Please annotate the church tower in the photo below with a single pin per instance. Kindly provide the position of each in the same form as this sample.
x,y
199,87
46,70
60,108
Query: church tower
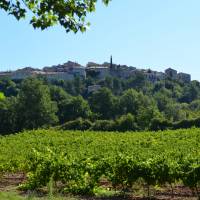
x,y
111,62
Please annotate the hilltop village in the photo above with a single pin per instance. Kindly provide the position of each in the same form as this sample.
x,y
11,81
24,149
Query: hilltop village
x,y
70,70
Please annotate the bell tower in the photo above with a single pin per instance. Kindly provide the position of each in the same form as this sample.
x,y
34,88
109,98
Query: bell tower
x,y
111,62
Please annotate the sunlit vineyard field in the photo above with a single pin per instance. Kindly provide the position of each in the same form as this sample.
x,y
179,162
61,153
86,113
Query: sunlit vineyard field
x,y
78,162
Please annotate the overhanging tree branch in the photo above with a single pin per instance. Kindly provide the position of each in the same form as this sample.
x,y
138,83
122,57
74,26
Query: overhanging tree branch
x,y
70,14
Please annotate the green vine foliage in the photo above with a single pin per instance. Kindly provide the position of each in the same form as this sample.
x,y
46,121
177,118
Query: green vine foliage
x,y
80,160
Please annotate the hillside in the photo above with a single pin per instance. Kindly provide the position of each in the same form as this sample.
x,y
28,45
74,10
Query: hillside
x,y
110,104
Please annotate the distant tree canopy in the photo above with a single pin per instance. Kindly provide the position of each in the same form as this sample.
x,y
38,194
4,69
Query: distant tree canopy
x,y
70,14
117,105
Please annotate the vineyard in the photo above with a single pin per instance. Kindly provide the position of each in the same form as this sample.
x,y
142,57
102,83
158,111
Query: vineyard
x,y
79,162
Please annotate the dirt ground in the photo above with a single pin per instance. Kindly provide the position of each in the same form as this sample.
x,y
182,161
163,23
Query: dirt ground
x,y
9,183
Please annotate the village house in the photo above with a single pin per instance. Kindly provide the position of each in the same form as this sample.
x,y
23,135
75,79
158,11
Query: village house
x,y
77,71
122,71
70,70
171,73
5,75
24,73
154,76
99,72
186,78
57,76
67,71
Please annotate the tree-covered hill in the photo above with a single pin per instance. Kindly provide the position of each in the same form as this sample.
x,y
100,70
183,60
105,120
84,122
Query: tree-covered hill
x,y
117,104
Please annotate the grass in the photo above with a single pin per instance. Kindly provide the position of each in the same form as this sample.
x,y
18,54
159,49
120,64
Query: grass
x,y
9,196
15,196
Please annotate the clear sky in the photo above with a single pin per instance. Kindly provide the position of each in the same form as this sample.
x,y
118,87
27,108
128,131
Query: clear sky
x,y
152,34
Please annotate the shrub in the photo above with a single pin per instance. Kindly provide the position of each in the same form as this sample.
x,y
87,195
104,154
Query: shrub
x,y
126,123
78,124
158,124
104,125
187,123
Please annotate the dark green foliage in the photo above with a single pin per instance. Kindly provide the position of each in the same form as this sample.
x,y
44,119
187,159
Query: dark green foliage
x,y
78,86
104,103
62,99
126,123
8,116
159,124
167,104
34,106
137,82
195,105
8,87
73,109
93,74
130,101
190,92
104,125
58,94
187,124
78,124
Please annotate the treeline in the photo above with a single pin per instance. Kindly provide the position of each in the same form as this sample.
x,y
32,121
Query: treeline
x,y
119,105
127,123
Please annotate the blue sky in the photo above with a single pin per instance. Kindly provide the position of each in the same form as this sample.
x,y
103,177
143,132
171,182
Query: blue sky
x,y
152,34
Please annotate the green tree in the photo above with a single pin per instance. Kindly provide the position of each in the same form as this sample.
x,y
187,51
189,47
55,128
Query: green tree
x,y
129,102
104,103
146,115
195,105
70,14
35,107
108,82
62,98
163,98
137,82
126,123
78,86
73,109
69,87
8,115
58,94
8,87
190,92
117,87
175,112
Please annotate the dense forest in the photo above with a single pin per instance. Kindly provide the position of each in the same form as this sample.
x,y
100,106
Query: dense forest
x,y
119,104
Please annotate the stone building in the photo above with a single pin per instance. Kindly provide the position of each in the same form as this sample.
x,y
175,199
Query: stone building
x,y
67,71
70,70
154,76
5,75
122,71
24,73
57,76
77,71
99,72
171,73
186,78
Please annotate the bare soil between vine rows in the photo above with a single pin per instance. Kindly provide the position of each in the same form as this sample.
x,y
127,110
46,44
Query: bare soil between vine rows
x,y
9,183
